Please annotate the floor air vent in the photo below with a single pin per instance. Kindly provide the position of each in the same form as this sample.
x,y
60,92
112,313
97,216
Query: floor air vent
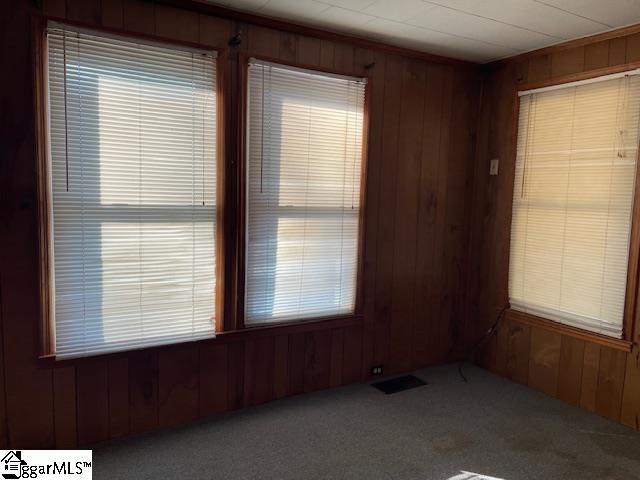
x,y
399,384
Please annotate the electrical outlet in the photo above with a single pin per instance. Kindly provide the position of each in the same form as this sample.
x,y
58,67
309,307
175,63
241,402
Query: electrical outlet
x,y
493,168
377,369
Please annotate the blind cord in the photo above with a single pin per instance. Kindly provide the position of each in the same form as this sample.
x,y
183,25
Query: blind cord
x,y
488,333
204,107
66,122
262,134
193,193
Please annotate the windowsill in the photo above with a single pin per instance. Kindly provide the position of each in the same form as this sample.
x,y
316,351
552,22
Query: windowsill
x,y
248,333
313,323
534,321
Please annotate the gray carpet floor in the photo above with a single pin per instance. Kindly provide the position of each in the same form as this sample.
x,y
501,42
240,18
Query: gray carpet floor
x,y
488,428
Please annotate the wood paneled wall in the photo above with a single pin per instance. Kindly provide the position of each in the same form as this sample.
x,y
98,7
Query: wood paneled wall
x,y
595,377
421,157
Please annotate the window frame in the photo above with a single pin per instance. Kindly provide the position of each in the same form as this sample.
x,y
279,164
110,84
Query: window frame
x,y
46,330
633,266
241,199
231,90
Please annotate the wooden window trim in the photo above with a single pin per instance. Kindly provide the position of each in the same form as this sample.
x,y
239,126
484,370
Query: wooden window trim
x,y
46,332
240,265
229,325
633,266
45,340
579,333
235,336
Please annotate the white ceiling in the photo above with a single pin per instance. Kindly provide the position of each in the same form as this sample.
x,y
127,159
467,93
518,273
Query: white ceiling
x,y
476,30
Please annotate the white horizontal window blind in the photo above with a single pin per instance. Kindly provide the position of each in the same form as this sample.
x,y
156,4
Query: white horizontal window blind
x,y
573,200
133,176
305,134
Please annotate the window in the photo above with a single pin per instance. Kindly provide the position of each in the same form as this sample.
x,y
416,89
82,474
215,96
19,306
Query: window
x,y
305,144
133,187
573,200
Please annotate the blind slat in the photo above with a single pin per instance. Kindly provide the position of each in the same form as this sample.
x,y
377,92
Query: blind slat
x,y
304,140
133,175
573,200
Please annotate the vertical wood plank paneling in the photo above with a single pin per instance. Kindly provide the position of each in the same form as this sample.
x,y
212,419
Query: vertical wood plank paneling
x,y
596,55
485,354
501,349
176,23
521,70
407,193
297,344
518,349
364,64
143,391
476,301
118,397
438,291
213,31
264,41
281,366
343,57
352,355
610,383
501,188
55,8
317,360
633,48
372,205
288,46
258,371
64,407
617,51
85,11
461,142
630,412
327,49
308,51
544,360
386,211
363,61
337,354
590,369
178,381
235,376
422,344
138,16
4,434
570,372
565,62
368,339
213,379
539,68
93,402
112,13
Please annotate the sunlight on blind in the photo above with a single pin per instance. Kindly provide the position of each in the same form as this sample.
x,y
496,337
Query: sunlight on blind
x,y
304,167
133,155
572,203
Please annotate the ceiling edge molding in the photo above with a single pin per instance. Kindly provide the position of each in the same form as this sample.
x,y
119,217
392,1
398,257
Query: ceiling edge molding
x,y
311,31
